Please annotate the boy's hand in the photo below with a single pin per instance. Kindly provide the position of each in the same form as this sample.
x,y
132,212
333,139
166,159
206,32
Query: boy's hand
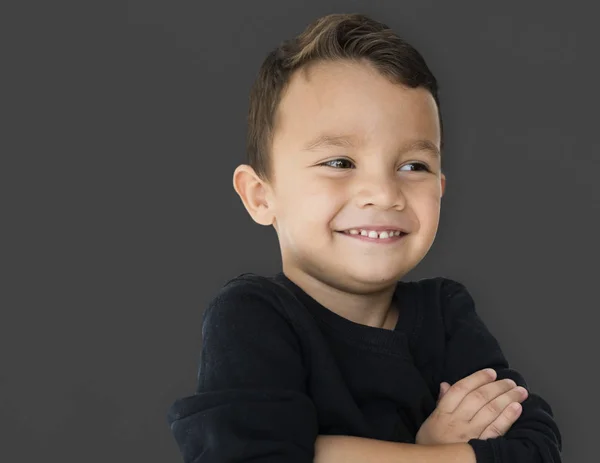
x,y
476,407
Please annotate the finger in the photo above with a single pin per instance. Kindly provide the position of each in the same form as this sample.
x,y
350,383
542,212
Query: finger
x,y
503,423
443,388
493,409
485,398
457,392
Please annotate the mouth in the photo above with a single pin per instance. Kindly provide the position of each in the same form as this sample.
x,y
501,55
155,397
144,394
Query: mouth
x,y
374,235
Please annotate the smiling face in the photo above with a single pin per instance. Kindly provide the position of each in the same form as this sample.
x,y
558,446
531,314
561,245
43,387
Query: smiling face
x,y
354,154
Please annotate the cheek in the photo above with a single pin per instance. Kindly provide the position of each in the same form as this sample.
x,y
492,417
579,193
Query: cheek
x,y
428,209
309,201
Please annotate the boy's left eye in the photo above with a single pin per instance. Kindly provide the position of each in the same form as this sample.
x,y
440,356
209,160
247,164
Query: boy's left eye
x,y
339,164
422,166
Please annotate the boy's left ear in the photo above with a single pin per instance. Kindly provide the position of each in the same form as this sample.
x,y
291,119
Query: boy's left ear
x,y
255,193
443,180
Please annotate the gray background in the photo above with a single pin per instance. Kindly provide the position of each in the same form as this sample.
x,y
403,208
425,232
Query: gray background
x,y
113,251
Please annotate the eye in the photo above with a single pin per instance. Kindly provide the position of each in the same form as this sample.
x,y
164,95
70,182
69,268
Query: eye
x,y
420,164
338,164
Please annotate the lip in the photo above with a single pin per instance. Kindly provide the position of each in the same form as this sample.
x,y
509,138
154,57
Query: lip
x,y
377,228
389,240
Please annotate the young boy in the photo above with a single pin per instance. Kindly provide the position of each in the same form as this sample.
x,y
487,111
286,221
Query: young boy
x,y
335,359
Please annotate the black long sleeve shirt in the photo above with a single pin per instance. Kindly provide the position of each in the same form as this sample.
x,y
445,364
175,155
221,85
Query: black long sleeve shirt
x,y
277,369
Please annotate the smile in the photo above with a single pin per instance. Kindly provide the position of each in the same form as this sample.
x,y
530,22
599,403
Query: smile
x,y
373,235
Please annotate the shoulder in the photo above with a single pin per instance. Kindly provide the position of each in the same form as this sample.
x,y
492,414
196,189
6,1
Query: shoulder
x,y
445,299
247,301
246,287
440,289
247,340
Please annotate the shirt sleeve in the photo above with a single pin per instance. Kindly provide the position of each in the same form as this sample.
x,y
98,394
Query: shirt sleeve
x,y
250,403
534,437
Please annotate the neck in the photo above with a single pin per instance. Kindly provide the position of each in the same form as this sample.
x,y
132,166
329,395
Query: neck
x,y
372,308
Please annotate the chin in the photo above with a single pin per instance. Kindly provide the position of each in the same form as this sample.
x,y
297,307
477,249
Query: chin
x,y
375,279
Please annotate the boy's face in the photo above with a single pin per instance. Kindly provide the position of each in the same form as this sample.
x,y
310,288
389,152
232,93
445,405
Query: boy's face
x,y
371,179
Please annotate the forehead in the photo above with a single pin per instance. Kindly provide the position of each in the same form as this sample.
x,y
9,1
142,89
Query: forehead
x,y
355,100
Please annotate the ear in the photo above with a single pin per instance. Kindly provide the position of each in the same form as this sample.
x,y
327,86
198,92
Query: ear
x,y
255,193
443,179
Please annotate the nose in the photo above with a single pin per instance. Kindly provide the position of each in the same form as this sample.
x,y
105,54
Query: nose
x,y
381,191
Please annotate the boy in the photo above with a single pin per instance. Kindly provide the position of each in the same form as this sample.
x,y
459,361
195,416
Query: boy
x,y
335,359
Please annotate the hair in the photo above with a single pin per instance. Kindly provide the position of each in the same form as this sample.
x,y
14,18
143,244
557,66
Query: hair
x,y
333,37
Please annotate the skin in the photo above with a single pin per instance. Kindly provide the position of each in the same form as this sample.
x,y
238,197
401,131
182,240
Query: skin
x,y
369,179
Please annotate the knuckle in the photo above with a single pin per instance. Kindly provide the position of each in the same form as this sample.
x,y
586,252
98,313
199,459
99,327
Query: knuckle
x,y
450,422
460,387
479,396
492,408
495,430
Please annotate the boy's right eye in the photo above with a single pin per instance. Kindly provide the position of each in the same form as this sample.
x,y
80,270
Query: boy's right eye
x,y
339,164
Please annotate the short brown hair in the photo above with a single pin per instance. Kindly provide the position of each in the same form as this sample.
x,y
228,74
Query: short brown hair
x,y
331,37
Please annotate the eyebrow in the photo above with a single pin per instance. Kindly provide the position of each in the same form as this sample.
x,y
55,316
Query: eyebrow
x,y
346,141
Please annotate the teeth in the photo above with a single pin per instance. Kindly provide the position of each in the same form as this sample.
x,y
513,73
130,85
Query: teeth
x,y
374,234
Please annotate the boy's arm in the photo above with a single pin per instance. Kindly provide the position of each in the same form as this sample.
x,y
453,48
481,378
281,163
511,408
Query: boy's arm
x,y
250,403
350,449
470,347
